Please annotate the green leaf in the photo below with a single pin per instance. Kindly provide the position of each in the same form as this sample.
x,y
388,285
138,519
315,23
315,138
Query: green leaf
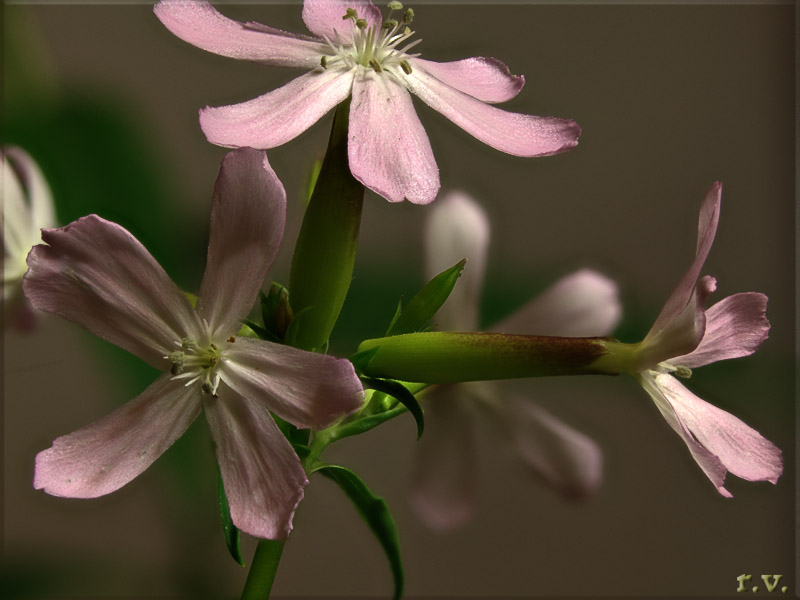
x,y
259,330
427,301
375,512
228,528
398,311
399,391
361,360
311,183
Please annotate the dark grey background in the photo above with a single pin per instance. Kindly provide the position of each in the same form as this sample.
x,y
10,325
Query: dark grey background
x,y
670,98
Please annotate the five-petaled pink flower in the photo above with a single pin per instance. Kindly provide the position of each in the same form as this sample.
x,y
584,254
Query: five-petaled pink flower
x,y
95,273
444,493
686,336
355,53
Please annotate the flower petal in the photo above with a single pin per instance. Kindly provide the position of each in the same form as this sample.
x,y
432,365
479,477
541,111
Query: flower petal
x,y
487,79
102,457
261,473
324,17
513,133
735,326
680,300
443,490
305,388
18,229
457,228
200,24
566,459
96,274
388,148
278,116
583,303
682,334
248,215
40,197
718,441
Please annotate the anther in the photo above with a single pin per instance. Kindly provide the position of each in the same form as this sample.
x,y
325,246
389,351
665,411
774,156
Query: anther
x,y
324,62
408,16
188,344
231,339
390,23
406,67
361,23
176,358
683,372
350,14
395,5
375,65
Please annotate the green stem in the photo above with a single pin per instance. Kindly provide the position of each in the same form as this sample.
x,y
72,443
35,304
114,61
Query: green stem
x,y
322,265
262,572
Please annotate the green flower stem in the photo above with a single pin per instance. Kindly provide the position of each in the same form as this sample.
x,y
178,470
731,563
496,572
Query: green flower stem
x,y
262,572
322,265
448,357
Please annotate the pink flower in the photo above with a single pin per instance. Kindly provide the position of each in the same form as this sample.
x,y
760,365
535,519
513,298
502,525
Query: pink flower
x,y
353,52
582,303
685,336
27,205
95,273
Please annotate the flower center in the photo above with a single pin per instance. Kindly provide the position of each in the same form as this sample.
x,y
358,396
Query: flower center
x,y
198,363
367,47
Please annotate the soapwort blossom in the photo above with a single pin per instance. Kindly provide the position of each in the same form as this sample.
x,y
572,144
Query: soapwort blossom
x,y
95,273
355,53
582,303
27,208
685,336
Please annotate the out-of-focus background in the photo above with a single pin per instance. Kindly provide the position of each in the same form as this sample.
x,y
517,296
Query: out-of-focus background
x,y
670,98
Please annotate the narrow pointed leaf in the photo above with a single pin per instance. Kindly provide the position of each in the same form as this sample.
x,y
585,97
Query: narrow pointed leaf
x,y
399,391
375,512
421,308
398,311
228,528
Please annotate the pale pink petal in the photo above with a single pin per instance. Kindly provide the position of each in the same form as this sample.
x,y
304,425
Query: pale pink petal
x,y
457,228
102,457
305,388
96,274
682,333
735,326
247,219
40,197
324,17
513,133
584,303
443,489
388,149
680,299
278,116
19,233
199,23
563,457
718,441
261,473
486,79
